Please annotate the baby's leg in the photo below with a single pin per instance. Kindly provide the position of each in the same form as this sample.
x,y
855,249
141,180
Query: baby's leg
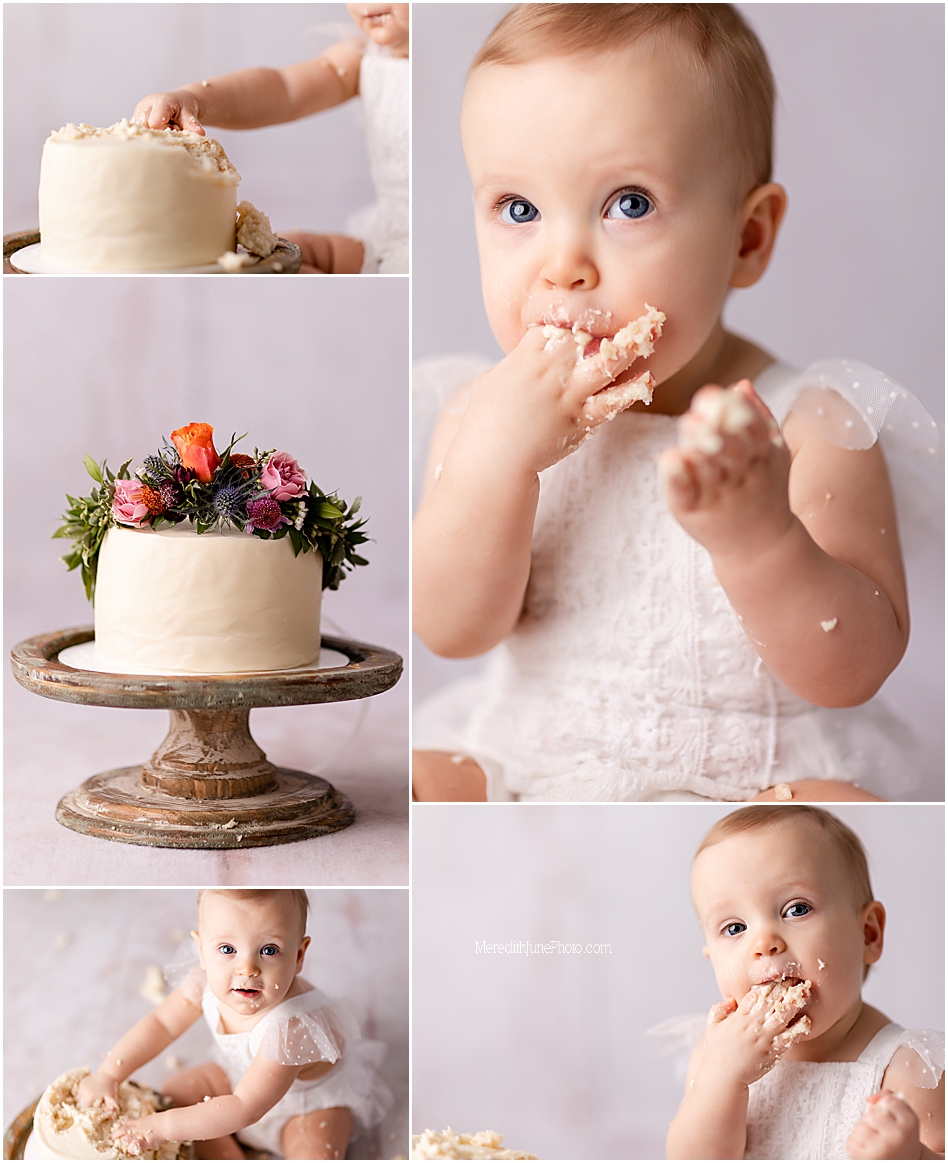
x,y
328,254
820,791
321,1134
439,776
188,1087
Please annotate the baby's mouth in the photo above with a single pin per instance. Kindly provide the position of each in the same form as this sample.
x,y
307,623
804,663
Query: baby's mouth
x,y
249,993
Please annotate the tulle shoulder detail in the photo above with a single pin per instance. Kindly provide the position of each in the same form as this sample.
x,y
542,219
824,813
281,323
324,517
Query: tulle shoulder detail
x,y
675,1035
299,1037
434,387
920,1058
852,405
193,984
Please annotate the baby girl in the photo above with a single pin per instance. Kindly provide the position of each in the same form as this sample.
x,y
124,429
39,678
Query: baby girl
x,y
674,601
292,1076
793,1064
256,97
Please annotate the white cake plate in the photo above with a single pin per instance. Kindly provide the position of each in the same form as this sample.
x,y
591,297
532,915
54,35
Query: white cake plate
x,y
30,261
84,657
23,255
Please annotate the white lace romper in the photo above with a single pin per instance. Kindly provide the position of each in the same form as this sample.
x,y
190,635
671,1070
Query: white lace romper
x,y
308,1028
382,228
628,676
807,1110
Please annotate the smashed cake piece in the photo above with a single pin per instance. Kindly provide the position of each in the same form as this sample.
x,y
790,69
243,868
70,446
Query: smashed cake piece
x,y
450,1144
639,335
778,1001
253,230
713,415
63,1130
783,792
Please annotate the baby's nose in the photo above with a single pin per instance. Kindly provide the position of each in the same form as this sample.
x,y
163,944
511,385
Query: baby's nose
x,y
569,266
769,945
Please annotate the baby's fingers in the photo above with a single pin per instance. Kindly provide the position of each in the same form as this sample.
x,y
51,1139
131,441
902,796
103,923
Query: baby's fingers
x,y
678,479
607,404
720,1011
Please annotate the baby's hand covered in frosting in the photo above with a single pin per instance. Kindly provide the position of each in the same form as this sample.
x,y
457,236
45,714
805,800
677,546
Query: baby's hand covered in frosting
x,y
745,1040
178,110
98,1088
548,396
138,1135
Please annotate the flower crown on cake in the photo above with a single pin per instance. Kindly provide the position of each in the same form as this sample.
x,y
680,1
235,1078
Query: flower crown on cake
x,y
265,495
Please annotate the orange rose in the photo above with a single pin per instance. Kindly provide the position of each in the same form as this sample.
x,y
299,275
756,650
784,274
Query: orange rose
x,y
195,445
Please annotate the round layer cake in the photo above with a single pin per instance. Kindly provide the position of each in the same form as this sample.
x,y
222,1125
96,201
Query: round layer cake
x,y
129,198
61,1130
172,601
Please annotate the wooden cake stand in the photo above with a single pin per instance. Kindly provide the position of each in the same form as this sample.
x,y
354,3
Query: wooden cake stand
x,y
208,785
285,260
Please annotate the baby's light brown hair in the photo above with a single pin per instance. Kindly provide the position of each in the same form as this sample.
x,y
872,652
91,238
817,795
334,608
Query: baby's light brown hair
x,y
298,895
761,817
729,60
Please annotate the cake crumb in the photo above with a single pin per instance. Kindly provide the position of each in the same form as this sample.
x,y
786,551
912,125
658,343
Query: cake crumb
x,y
233,261
205,84
820,963
229,824
439,468
783,792
830,625
173,1062
153,987
253,230
457,758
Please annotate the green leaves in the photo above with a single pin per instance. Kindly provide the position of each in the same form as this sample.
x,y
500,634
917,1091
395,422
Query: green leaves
x,y
317,521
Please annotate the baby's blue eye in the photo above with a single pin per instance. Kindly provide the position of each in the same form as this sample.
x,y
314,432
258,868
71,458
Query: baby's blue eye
x,y
227,949
798,910
519,211
734,928
629,205
269,950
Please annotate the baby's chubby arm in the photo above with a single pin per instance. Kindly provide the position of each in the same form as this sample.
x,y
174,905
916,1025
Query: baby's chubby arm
x,y
902,1121
252,98
742,1042
143,1041
802,537
260,1089
473,532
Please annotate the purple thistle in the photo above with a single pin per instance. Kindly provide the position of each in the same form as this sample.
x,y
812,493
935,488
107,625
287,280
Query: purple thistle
x,y
265,514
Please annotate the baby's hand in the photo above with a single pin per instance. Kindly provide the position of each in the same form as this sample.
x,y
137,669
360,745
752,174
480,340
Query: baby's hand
x,y
178,110
96,1088
727,481
746,1040
545,399
137,1135
888,1130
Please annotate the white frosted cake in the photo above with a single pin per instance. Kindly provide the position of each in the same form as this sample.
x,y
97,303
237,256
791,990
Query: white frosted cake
x,y
170,601
207,562
61,1130
128,198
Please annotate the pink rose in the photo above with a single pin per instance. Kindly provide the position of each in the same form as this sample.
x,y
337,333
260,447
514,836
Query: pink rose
x,y
283,477
128,508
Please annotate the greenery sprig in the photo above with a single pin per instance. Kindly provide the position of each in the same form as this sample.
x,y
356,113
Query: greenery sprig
x,y
189,481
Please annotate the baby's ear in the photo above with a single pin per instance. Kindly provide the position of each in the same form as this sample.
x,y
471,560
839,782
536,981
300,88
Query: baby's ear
x,y
873,931
196,938
301,952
